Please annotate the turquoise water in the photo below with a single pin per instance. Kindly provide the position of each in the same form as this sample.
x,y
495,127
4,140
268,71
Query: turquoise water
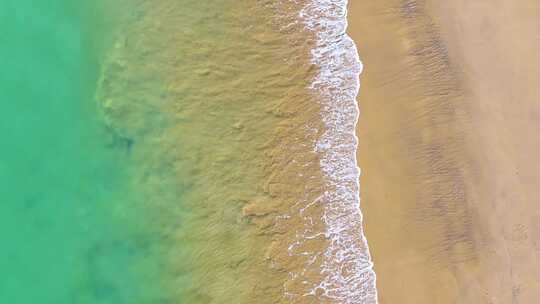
x,y
151,152
69,227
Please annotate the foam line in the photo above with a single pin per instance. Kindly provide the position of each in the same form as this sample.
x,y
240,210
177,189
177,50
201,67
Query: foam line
x,y
347,267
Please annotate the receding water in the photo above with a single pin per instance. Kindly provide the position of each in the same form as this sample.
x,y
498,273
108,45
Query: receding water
x,y
67,220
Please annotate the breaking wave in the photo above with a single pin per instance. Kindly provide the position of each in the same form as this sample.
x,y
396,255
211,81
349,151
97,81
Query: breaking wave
x,y
347,269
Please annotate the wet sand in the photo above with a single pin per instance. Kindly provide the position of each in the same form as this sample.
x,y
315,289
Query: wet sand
x,y
448,147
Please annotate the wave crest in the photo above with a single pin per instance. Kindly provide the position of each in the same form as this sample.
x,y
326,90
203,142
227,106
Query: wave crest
x,y
347,269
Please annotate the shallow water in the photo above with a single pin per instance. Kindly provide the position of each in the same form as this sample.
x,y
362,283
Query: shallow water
x,y
66,220
186,158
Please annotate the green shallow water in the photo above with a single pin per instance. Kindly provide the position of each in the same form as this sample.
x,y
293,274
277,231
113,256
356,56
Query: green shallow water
x,y
70,227
142,155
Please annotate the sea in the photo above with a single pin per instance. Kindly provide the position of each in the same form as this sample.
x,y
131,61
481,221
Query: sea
x,y
180,151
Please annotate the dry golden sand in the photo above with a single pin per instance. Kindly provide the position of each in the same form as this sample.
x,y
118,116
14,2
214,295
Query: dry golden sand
x,y
448,148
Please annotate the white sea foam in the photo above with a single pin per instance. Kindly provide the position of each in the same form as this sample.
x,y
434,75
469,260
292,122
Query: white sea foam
x,y
347,267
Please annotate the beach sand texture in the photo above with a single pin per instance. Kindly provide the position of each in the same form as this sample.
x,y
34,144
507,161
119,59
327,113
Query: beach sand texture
x,y
448,148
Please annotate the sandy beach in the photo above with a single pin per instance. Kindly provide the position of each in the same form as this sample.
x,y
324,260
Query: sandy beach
x,y
448,148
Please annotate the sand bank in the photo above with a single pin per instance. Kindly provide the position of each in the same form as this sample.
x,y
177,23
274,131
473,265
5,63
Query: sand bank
x,y
448,148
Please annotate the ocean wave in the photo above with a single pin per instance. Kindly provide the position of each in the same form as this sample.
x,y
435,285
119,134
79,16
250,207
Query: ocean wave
x,y
347,269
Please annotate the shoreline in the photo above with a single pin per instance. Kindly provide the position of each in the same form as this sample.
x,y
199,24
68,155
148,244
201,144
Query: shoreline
x,y
447,188
347,264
